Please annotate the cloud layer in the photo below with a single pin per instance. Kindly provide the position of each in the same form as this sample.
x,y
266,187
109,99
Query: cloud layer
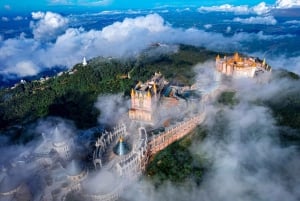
x,y
268,20
259,9
55,44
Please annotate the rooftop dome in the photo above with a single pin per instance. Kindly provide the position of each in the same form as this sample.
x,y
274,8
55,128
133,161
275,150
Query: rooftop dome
x,y
122,148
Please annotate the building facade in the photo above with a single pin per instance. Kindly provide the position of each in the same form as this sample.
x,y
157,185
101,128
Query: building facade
x,y
238,66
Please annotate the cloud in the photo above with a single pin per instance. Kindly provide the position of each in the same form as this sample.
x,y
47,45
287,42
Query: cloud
x,y
207,26
81,2
7,7
261,8
113,108
27,157
290,63
242,145
54,44
293,22
268,20
24,68
18,18
287,3
228,29
243,9
247,160
5,19
48,26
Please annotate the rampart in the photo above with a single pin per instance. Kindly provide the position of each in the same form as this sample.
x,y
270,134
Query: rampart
x,y
173,133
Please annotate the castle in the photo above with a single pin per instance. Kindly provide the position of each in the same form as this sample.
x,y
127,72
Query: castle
x,y
123,152
238,66
144,98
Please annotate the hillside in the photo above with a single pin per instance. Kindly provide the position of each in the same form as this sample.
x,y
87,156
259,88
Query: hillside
x,y
72,94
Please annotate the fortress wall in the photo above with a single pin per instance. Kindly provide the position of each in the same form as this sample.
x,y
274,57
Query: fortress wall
x,y
161,141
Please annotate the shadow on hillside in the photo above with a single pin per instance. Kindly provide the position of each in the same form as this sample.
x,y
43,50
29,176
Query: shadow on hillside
x,y
76,106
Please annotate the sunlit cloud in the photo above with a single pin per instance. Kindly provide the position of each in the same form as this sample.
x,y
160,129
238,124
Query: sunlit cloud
x,y
54,44
287,3
268,20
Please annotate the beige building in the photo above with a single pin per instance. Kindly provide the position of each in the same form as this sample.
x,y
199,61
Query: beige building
x,y
144,99
238,66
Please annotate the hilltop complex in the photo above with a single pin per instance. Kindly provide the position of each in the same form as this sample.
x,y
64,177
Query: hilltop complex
x,y
160,113
122,153
238,66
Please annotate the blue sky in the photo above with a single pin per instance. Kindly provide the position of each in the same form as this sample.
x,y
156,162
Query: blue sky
x,y
30,5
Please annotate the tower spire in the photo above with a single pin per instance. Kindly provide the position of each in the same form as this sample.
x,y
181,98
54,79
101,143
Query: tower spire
x,y
84,63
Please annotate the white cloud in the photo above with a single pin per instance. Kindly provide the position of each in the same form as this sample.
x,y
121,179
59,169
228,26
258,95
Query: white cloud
x,y
207,26
243,9
120,30
261,8
24,68
18,18
48,26
5,19
287,3
293,22
82,2
268,20
126,38
113,108
37,15
290,63
228,29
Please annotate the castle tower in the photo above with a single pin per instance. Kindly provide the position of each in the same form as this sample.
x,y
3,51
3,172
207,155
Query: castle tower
x,y
236,57
84,63
144,99
264,62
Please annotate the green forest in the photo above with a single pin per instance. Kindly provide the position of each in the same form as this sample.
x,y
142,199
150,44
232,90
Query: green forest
x,y
72,94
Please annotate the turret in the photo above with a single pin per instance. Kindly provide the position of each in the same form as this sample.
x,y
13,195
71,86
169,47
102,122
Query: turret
x,y
84,63
236,56
218,57
264,62
155,89
132,93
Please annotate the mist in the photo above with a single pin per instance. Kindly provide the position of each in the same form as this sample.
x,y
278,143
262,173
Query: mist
x,y
243,145
248,160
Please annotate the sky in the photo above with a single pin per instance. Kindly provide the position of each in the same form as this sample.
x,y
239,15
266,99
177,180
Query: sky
x,y
29,5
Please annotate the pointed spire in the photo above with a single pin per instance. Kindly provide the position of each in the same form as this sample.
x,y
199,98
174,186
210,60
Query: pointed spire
x,y
218,58
236,56
148,94
84,63
154,89
132,92
264,62
122,148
